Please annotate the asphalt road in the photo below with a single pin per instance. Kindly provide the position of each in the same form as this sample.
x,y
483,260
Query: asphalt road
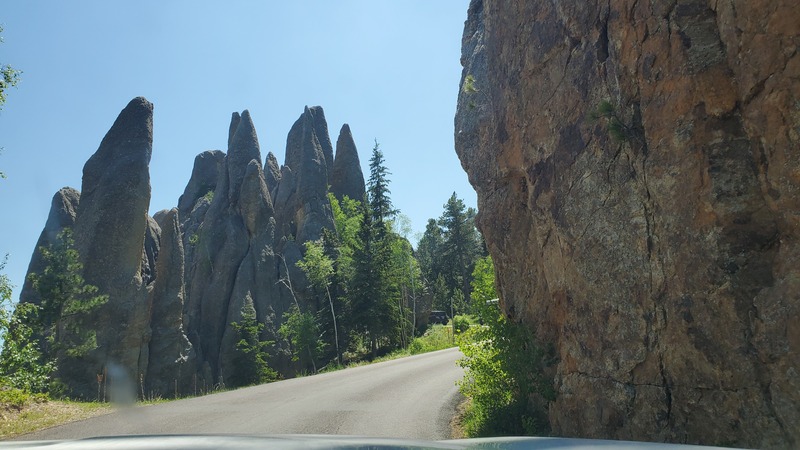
x,y
412,398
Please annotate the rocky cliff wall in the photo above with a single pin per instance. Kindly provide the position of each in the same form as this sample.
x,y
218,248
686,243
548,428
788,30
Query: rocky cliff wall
x,y
637,171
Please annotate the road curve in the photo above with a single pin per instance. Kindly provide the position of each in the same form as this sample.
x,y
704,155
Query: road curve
x,y
411,397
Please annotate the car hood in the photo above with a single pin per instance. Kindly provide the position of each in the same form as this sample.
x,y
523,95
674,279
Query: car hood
x,y
202,442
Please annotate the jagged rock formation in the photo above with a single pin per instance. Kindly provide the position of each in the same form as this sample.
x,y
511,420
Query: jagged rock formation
x,y
234,244
63,209
272,172
655,248
347,178
178,280
205,173
301,196
171,357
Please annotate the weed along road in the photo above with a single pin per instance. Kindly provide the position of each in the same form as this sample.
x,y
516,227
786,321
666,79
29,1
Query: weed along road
x,y
413,397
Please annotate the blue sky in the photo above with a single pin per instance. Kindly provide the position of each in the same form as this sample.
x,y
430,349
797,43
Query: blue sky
x,y
389,69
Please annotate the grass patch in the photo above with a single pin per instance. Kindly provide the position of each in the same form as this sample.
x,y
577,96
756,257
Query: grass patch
x,y
437,337
457,430
41,413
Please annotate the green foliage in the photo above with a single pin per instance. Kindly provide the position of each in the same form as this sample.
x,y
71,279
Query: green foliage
x,y
18,398
209,196
5,284
469,85
300,329
347,217
469,88
373,305
9,77
483,281
461,324
504,375
250,361
447,253
429,251
460,247
194,239
22,365
21,362
437,337
441,295
378,188
67,302
404,283
616,128
318,267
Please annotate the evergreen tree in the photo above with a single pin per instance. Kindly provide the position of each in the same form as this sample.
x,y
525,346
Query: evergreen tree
x,y
67,302
250,360
375,300
459,248
429,252
373,307
300,329
378,191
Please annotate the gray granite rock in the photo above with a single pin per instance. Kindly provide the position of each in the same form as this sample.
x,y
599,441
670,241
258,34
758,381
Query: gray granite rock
x,y
347,178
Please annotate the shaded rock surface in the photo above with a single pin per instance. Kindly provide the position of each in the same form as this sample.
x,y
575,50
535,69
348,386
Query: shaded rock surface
x,y
63,209
205,173
661,262
272,172
323,137
171,357
347,178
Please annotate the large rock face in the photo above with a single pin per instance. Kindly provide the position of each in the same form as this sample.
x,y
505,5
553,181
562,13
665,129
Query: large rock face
x,y
109,231
655,248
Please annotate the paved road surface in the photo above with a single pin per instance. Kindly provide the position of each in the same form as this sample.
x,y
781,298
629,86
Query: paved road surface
x,y
412,397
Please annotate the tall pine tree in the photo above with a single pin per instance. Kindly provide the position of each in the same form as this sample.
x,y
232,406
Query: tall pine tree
x,y
250,360
429,252
460,247
374,298
378,190
67,302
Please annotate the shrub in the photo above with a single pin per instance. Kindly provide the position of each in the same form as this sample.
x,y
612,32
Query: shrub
x,y
504,378
436,338
460,324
